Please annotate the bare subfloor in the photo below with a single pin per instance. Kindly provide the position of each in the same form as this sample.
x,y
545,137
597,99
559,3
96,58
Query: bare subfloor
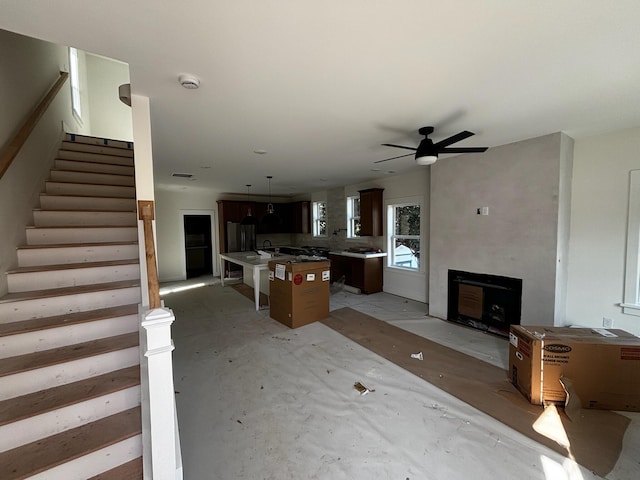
x,y
257,400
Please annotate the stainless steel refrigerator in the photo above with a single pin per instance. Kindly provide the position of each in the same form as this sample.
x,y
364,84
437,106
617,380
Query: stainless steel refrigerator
x,y
240,238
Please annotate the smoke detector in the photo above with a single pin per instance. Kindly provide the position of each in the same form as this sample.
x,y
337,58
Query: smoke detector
x,y
189,82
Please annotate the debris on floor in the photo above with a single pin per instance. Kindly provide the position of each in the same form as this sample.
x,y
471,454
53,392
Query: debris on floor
x,y
417,356
362,389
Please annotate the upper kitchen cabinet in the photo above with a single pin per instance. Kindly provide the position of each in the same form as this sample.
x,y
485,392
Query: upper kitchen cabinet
x,y
371,212
301,217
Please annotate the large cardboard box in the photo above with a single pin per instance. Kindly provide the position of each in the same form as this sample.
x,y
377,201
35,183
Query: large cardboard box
x,y
602,366
298,292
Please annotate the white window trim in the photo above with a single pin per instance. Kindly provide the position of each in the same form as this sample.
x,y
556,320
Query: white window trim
x,y
402,202
350,217
316,219
74,81
631,303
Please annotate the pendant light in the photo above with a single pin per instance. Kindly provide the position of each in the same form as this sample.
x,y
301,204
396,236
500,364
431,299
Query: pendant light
x,y
270,217
249,219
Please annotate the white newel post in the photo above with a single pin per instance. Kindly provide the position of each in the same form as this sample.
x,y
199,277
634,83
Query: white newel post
x,y
156,324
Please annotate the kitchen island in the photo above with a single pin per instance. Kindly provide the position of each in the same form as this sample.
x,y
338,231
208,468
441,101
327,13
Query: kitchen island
x,y
253,262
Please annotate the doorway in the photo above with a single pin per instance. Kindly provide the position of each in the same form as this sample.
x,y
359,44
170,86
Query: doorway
x,y
198,245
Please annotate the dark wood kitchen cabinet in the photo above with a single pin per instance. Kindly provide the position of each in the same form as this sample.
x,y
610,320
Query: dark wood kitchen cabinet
x,y
362,273
301,217
371,212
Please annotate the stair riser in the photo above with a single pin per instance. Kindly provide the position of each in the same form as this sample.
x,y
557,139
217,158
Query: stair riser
x,y
94,463
54,218
91,178
42,280
30,257
61,188
34,428
51,236
61,374
112,148
95,157
40,340
81,302
61,202
94,167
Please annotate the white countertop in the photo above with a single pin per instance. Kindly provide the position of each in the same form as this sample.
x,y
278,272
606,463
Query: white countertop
x,y
252,259
359,255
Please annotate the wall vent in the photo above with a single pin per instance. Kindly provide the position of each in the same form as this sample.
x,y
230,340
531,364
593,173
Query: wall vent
x,y
182,175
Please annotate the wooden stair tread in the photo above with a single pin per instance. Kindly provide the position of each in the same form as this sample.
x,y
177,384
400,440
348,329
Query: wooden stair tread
x,y
68,353
37,403
73,245
92,173
32,325
56,292
74,195
80,226
91,183
113,149
44,454
127,471
72,266
92,212
93,162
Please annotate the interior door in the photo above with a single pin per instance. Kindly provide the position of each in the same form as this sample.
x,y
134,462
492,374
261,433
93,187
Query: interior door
x,y
198,245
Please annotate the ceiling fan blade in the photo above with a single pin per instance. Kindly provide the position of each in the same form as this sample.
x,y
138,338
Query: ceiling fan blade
x,y
398,146
463,149
393,158
453,139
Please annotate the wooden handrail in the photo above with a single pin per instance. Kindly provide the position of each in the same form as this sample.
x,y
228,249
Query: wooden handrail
x,y
14,146
145,213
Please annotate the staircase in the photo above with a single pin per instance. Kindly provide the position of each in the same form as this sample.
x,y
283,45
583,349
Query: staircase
x,y
69,328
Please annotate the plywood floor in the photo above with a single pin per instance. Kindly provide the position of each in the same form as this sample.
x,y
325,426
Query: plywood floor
x,y
257,400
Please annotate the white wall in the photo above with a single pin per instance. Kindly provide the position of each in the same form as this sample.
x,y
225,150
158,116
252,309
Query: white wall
x,y
28,68
520,183
599,210
110,118
170,206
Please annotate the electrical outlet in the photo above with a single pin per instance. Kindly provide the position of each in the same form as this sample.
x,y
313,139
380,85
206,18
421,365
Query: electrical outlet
x,y
607,322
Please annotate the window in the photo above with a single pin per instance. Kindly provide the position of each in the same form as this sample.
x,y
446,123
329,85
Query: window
x,y
404,236
319,219
353,217
631,303
74,75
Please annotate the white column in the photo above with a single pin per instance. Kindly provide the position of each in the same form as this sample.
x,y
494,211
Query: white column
x,y
141,116
162,435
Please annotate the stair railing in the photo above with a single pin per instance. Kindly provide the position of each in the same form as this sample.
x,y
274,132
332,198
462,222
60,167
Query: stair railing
x,y
145,213
161,441
10,151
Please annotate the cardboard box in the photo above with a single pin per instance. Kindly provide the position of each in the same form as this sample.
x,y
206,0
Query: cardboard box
x,y
603,366
298,292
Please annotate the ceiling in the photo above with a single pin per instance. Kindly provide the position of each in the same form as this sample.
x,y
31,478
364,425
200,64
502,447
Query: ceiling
x,y
320,85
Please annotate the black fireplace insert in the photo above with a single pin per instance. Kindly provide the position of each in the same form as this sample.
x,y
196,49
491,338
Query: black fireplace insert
x,y
488,302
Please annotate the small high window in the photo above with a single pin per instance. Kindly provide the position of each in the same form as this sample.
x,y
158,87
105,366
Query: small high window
x,y
74,75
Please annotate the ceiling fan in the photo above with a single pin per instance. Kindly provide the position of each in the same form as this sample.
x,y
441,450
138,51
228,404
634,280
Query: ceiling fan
x,y
427,152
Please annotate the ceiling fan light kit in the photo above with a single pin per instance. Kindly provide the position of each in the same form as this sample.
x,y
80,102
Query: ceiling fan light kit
x,y
427,152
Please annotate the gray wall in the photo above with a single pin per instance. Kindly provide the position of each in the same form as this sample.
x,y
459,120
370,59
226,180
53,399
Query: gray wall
x,y
28,69
520,183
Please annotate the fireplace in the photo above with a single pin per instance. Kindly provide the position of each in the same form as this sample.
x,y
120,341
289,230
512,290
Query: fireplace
x,y
487,302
